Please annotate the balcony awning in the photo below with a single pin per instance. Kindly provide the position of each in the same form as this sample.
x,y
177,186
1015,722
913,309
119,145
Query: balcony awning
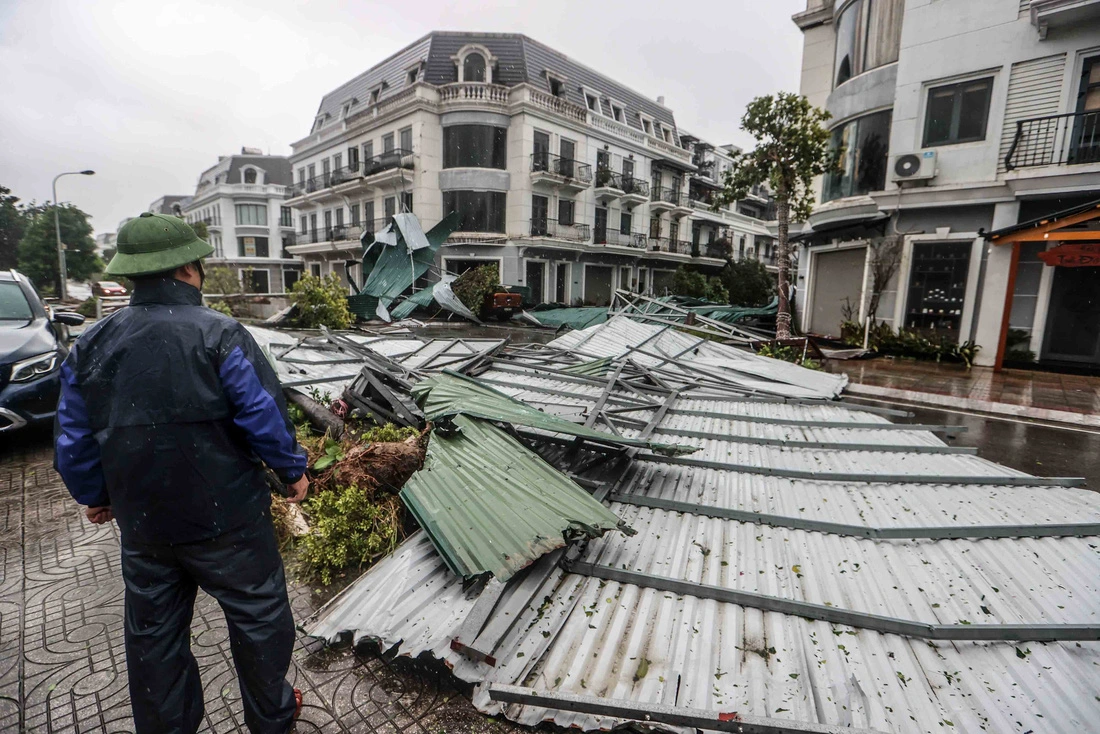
x,y
1078,223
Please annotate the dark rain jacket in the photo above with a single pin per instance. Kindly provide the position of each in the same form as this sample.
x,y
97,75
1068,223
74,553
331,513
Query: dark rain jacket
x,y
167,409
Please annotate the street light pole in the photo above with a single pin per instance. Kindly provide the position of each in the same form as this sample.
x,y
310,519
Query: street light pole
x,y
57,229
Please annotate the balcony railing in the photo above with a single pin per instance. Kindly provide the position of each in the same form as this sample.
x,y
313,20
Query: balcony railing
x,y
606,178
1055,141
388,160
375,164
339,232
564,167
557,230
670,244
672,196
606,236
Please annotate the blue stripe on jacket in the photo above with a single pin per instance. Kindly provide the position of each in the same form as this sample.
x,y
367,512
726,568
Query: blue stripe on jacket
x,y
76,455
258,415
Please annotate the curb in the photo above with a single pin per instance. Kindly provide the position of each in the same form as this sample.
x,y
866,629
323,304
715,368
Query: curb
x,y
982,406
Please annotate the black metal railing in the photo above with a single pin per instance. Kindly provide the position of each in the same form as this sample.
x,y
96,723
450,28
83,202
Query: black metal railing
x,y
606,178
633,185
340,232
1055,140
574,232
671,196
375,164
670,244
564,167
718,248
387,161
608,236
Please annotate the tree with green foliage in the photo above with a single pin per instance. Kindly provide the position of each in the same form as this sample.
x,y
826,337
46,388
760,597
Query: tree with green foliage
x,y
321,302
475,285
690,282
748,282
37,252
13,221
792,148
201,231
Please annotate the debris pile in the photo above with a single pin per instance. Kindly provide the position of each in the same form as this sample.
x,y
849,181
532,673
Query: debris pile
x,y
638,522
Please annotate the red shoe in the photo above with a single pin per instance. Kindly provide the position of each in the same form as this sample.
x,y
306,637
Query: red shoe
x,y
297,703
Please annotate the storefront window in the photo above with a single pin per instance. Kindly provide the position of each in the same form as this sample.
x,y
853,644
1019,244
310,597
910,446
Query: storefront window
x,y
937,286
475,146
868,35
478,211
863,144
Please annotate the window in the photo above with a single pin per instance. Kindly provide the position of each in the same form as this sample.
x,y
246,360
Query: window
x,y
340,217
566,210
666,134
315,270
249,175
868,35
368,215
326,168
937,286
387,143
337,161
252,214
256,281
406,201
412,76
647,125
355,215
375,93
557,88
626,223
290,277
328,225
540,161
617,112
475,146
345,109
312,171
285,217
368,151
301,175
313,224
540,207
353,158
252,247
390,207
305,224
406,139
957,113
593,102
473,68
863,143
479,211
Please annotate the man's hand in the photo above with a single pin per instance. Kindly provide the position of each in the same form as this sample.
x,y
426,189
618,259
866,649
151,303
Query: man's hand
x,y
298,490
99,515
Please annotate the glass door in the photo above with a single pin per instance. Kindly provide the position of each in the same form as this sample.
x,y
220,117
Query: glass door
x,y
1086,128
541,160
561,283
600,226
1073,319
568,152
540,210
535,273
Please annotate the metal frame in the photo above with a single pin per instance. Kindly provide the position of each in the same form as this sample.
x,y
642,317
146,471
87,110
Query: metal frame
x,y
835,615
958,532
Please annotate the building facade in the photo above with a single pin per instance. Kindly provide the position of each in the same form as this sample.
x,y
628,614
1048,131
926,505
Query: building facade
x,y
572,183
953,120
241,200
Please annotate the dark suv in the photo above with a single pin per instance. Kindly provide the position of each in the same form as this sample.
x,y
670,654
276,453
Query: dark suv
x,y
33,343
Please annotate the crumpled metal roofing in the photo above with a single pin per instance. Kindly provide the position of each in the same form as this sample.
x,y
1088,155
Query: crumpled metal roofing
x,y
574,318
492,506
397,268
451,394
559,631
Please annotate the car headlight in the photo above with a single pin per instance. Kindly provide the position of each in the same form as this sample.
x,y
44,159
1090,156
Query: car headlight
x,y
35,367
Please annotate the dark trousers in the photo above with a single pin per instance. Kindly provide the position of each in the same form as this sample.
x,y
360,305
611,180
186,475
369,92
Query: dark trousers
x,y
242,569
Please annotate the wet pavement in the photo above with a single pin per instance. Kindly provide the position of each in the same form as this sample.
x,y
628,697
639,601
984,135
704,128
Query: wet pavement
x,y
62,666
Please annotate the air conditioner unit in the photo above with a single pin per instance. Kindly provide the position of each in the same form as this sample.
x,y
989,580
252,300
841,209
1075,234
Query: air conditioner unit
x,y
913,166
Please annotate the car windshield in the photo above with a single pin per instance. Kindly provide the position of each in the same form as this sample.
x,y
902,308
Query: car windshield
x,y
108,284
13,303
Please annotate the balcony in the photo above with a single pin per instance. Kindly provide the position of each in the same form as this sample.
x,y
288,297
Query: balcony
x,y
1057,140
556,230
374,171
339,232
616,238
635,190
670,245
562,172
670,200
609,185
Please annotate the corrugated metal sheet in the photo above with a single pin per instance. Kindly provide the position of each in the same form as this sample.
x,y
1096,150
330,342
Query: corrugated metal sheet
x,y
450,394
556,631
397,269
574,318
492,506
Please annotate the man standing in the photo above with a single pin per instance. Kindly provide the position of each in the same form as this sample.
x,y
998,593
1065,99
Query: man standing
x,y
167,409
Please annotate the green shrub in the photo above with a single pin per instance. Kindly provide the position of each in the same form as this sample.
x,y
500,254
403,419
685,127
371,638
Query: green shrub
x,y
221,307
321,302
388,433
789,354
909,343
349,529
475,285
87,308
691,283
748,283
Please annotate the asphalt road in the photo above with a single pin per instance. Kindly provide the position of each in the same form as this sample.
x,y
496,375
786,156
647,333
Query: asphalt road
x,y
1041,449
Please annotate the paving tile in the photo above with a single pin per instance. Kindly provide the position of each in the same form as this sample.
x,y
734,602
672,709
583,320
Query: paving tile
x,y
62,663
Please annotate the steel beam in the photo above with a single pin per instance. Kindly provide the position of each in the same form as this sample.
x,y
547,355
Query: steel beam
x,y
835,615
820,424
958,532
658,713
830,445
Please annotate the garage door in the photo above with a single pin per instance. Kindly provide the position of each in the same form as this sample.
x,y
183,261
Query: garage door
x,y
838,280
597,285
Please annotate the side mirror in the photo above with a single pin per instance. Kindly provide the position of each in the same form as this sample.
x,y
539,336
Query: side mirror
x,y
69,318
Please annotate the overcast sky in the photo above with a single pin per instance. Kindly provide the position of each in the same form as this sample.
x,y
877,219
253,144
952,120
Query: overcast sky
x,y
149,92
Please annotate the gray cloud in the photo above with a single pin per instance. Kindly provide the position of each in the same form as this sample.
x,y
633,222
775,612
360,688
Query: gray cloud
x,y
150,93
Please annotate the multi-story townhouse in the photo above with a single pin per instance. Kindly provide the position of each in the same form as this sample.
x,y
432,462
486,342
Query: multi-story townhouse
x,y
574,184
955,119
241,199
173,204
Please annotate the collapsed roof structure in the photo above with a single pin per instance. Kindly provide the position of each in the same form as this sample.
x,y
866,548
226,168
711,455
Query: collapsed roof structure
x,y
810,566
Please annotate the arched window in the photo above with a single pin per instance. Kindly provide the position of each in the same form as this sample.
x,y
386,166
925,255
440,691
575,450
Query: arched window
x,y
473,68
250,175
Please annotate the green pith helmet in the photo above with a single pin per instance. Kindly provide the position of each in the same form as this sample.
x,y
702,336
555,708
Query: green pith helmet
x,y
155,243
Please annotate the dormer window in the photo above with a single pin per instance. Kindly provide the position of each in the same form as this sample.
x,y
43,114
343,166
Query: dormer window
x,y
376,94
345,109
556,87
250,175
318,123
412,76
647,124
474,64
592,101
617,112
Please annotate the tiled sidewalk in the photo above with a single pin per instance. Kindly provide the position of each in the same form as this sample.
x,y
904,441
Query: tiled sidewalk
x,y
1023,393
62,667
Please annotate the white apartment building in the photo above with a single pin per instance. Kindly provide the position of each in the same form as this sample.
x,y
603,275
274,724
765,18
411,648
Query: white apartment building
x,y
956,119
241,201
572,183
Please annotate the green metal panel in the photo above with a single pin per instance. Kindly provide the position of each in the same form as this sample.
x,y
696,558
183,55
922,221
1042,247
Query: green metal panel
x,y
492,506
596,368
574,318
450,394
421,299
395,270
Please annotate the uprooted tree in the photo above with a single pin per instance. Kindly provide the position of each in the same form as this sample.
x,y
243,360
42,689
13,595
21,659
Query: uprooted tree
x,y
792,148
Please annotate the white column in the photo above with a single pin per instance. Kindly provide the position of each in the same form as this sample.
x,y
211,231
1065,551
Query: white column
x,y
995,287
